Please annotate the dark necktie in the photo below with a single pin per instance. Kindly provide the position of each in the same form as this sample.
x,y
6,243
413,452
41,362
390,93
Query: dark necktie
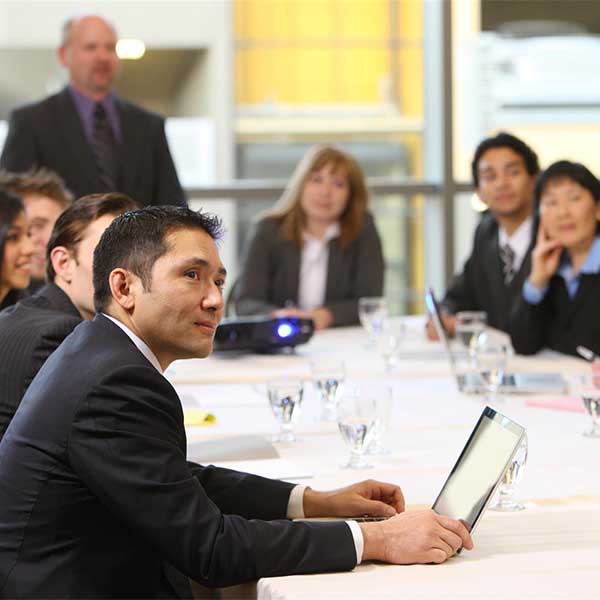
x,y
105,150
507,256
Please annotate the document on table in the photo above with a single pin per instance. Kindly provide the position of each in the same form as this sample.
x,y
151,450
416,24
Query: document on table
x,y
232,448
273,468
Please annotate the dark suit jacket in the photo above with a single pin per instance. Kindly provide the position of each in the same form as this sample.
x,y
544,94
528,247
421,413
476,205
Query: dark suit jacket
x,y
29,332
97,499
50,134
481,285
271,273
559,322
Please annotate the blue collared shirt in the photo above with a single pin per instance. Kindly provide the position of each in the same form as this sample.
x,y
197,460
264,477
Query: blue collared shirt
x,y
534,295
85,108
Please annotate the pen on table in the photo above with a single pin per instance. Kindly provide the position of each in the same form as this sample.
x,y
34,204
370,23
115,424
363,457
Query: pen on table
x,y
586,353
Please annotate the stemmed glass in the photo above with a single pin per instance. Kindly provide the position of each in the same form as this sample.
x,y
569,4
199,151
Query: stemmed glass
x,y
588,386
356,421
491,356
328,377
391,336
372,312
285,398
383,400
512,476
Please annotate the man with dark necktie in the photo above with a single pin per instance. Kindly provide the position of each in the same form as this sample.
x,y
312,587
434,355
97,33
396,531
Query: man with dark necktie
x,y
504,172
96,141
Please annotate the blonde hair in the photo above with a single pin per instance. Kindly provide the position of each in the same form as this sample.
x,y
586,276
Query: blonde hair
x,y
288,210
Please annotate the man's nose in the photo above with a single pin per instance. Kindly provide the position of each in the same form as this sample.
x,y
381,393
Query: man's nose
x,y
213,299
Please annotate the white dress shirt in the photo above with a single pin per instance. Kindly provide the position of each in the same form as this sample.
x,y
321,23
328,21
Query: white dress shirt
x,y
314,259
295,509
519,241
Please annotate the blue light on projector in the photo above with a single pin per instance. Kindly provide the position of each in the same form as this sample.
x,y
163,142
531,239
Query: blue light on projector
x,y
285,330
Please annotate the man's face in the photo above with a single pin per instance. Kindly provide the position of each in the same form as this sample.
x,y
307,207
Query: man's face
x,y
42,213
504,183
90,56
177,317
81,288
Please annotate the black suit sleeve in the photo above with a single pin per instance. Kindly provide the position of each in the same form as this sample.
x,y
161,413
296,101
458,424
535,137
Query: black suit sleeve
x,y
167,187
126,445
19,152
527,327
252,296
367,275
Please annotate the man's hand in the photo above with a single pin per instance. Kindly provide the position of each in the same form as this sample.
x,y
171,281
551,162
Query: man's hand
x,y
371,498
414,537
449,323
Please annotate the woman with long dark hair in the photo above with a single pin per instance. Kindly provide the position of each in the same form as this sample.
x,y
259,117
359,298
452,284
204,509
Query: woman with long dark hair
x,y
16,249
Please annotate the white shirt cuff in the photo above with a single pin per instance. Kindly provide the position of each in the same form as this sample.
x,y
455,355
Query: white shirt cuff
x,y
359,542
295,507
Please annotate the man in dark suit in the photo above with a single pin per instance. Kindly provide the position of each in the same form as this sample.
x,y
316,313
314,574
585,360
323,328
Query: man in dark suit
x,y
33,328
504,170
96,496
94,140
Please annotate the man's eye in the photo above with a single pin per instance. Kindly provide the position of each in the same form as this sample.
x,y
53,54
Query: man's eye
x,y
220,283
192,274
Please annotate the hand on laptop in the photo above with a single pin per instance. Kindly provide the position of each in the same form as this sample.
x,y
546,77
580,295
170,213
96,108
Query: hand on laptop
x,y
414,537
449,322
369,497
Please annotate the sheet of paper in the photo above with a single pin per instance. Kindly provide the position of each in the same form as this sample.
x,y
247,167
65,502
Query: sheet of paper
x,y
274,468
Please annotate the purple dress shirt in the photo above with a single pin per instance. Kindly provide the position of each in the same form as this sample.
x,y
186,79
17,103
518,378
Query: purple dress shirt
x,y
85,108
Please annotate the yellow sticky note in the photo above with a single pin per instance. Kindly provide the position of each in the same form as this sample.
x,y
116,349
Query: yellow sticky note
x,y
195,416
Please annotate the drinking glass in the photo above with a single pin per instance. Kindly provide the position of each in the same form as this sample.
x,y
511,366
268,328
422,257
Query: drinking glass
x,y
356,421
372,312
491,356
328,377
285,398
588,386
389,341
469,325
383,399
512,476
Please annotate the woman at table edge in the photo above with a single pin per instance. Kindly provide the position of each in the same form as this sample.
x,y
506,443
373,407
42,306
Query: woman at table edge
x,y
558,308
318,251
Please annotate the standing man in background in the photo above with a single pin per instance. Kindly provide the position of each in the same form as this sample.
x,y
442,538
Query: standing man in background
x,y
504,172
94,140
45,197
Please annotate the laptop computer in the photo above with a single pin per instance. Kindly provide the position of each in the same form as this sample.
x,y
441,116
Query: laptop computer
x,y
469,381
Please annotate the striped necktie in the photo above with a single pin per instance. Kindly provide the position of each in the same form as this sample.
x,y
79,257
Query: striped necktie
x,y
105,150
507,257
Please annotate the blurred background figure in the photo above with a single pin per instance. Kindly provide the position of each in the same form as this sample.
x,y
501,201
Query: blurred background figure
x,y
94,140
16,249
45,197
558,308
317,252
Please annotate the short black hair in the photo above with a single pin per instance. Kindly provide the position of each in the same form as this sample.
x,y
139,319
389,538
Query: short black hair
x,y
72,223
570,170
137,239
505,140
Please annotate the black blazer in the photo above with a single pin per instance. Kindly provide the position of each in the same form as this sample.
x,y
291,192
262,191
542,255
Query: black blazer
x,y
271,273
559,322
481,285
29,332
97,499
50,134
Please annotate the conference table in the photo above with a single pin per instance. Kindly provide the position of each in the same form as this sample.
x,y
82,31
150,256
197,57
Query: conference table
x,y
549,550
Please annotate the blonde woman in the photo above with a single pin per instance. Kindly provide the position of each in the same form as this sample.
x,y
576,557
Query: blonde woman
x,y
317,251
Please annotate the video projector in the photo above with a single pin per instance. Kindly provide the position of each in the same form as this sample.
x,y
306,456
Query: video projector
x,y
262,334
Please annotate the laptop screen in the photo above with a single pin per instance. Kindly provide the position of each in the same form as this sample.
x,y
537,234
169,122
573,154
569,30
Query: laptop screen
x,y
479,467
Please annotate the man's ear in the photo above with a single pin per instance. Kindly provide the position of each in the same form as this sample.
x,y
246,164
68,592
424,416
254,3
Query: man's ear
x,y
122,287
62,56
62,263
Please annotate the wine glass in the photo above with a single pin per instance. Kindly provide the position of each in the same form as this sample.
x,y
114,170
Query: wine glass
x,y
491,356
328,377
372,312
390,338
469,325
285,398
512,476
588,385
383,399
356,422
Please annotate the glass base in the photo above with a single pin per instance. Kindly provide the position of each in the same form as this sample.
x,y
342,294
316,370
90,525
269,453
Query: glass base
x,y
508,506
284,438
378,450
353,465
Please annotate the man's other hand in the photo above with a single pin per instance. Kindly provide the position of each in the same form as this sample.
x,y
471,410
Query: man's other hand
x,y
372,498
414,537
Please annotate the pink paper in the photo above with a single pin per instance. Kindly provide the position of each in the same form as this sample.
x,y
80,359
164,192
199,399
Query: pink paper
x,y
570,404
